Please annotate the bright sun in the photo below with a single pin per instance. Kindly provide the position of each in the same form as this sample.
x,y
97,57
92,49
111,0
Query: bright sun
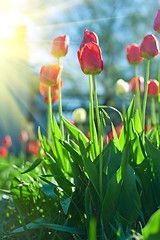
x,y
15,90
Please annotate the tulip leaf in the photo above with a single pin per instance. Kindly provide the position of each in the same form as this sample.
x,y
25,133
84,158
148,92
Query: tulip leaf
x,y
152,230
129,199
74,131
34,165
89,166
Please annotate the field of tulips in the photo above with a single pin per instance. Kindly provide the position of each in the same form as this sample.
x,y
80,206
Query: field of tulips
x,y
72,184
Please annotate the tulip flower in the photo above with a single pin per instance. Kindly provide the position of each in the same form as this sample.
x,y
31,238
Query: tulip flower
x,y
90,59
50,74
89,37
156,24
153,86
79,115
23,137
7,142
60,46
3,151
133,54
33,147
122,87
132,84
149,47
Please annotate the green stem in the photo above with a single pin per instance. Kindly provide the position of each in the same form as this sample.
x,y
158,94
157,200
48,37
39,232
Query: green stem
x,y
96,106
91,119
145,94
153,111
138,99
60,104
49,114
99,135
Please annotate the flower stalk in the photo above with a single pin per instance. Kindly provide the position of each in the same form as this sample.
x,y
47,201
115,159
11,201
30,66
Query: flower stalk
x,y
138,99
60,104
145,94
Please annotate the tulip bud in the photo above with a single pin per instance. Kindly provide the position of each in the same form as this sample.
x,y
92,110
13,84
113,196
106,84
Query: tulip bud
x,y
122,87
89,37
60,46
132,84
133,54
153,86
156,24
90,59
7,142
50,74
149,48
3,151
79,115
23,136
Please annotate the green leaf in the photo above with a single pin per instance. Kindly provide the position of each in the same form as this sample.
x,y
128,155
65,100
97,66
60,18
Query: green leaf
x,y
137,122
34,165
65,203
49,190
89,166
129,199
152,230
154,155
109,203
74,131
61,228
75,155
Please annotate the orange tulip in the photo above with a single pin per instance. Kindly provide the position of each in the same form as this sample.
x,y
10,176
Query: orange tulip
x,y
60,46
50,74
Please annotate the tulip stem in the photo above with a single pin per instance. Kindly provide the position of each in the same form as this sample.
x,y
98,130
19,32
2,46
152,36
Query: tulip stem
x,y
138,99
49,114
60,104
145,94
97,113
100,138
91,119
153,111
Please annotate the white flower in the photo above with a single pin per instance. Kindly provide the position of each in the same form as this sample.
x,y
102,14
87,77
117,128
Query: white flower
x,y
122,87
79,115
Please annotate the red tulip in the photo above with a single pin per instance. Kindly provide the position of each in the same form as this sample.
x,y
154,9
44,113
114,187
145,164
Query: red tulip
x,y
7,142
132,84
23,137
89,37
60,46
156,24
50,74
33,147
153,86
3,151
90,59
133,54
149,48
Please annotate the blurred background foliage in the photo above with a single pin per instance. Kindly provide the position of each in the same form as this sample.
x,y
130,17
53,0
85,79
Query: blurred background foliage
x,y
27,30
